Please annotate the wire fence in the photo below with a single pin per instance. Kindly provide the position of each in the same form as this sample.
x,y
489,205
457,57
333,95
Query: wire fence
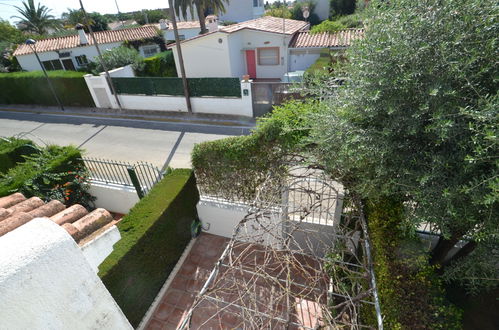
x,y
121,173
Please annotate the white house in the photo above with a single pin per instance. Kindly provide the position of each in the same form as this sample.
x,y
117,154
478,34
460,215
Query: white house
x,y
76,51
186,29
235,11
258,47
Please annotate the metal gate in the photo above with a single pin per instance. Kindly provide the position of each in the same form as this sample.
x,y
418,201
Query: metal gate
x,y
267,94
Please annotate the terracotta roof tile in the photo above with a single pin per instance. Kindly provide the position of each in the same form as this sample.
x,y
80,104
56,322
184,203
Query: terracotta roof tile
x,y
16,210
180,25
343,38
268,24
103,37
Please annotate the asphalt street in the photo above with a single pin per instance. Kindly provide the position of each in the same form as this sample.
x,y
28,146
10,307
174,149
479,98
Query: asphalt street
x,y
160,143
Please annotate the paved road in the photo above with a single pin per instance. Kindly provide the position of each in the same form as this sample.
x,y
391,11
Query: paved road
x,y
160,143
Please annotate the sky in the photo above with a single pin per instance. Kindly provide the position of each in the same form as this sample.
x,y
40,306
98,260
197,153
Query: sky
x,y
101,6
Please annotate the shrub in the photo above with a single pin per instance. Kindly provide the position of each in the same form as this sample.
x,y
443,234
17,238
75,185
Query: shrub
x,y
161,65
12,151
121,56
411,295
153,236
341,7
32,88
327,26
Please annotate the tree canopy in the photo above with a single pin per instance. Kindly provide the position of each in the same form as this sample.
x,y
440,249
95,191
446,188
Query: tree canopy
x,y
419,119
36,19
75,16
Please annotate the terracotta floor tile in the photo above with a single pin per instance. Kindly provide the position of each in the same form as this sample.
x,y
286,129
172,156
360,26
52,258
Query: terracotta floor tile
x,y
163,311
154,325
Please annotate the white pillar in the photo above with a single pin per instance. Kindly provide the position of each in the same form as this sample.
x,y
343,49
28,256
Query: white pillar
x,y
247,98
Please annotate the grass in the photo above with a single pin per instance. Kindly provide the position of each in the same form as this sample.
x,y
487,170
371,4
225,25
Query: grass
x,y
153,236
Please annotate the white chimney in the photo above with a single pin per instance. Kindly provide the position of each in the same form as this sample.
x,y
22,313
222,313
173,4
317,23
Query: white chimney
x,y
81,33
212,23
163,24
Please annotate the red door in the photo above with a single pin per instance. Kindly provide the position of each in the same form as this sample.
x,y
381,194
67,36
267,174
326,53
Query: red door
x,y
251,63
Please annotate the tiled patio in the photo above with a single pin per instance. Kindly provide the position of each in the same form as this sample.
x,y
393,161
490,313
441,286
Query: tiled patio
x,y
249,290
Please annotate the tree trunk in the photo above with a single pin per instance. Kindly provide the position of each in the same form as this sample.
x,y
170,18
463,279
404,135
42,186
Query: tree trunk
x,y
463,252
201,17
442,249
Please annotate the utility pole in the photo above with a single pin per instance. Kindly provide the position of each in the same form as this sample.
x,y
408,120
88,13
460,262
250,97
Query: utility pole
x,y
104,66
180,58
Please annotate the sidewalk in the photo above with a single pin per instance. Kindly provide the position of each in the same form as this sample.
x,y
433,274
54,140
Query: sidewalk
x,y
152,115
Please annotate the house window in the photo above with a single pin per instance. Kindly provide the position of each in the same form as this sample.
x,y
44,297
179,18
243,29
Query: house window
x,y
81,60
268,56
52,65
257,3
149,50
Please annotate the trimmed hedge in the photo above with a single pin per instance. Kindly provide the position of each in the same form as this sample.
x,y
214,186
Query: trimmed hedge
x,y
411,294
198,87
161,65
153,236
58,160
12,151
32,88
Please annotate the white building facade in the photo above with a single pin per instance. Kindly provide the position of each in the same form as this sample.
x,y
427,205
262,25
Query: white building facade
x,y
235,11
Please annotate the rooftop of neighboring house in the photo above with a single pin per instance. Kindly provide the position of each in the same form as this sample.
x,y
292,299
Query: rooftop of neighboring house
x,y
17,210
343,38
118,24
180,25
262,24
102,37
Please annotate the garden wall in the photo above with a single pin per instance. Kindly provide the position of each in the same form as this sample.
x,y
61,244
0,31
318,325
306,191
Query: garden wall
x,y
154,235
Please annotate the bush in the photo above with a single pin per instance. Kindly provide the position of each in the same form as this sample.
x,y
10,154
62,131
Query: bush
x,y
341,7
411,295
161,65
121,56
12,151
32,88
153,236
327,26
53,173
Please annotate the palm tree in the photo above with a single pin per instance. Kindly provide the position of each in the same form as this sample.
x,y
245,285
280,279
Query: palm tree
x,y
201,7
35,19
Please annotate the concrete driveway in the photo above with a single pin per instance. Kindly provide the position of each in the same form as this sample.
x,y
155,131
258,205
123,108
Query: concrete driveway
x,y
160,143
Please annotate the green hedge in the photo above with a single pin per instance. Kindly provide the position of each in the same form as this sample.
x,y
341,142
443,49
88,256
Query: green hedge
x,y
12,151
198,87
55,160
161,65
153,236
32,88
410,292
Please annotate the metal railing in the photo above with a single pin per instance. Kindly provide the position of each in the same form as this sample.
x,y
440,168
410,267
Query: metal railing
x,y
140,175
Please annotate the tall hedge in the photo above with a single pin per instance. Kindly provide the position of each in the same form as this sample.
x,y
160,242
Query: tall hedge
x,y
32,88
12,151
153,236
161,65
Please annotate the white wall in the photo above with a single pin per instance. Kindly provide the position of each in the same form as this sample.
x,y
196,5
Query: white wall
x,y
187,33
46,283
123,72
239,106
29,63
114,198
98,249
235,10
302,59
205,57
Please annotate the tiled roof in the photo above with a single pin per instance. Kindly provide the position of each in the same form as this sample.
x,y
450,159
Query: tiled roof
x,y
180,25
341,38
103,37
16,210
268,24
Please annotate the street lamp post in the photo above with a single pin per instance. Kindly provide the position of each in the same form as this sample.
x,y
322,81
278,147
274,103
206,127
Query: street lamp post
x,y
31,43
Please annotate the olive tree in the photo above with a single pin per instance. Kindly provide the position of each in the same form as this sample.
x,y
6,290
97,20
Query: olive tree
x,y
418,119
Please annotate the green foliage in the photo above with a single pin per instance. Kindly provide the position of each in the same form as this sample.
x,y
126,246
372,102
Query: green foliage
x,y
297,12
234,167
121,56
228,87
160,65
282,12
352,21
32,88
341,7
49,173
327,26
35,19
153,16
410,292
153,236
12,151
75,16
422,93
10,34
